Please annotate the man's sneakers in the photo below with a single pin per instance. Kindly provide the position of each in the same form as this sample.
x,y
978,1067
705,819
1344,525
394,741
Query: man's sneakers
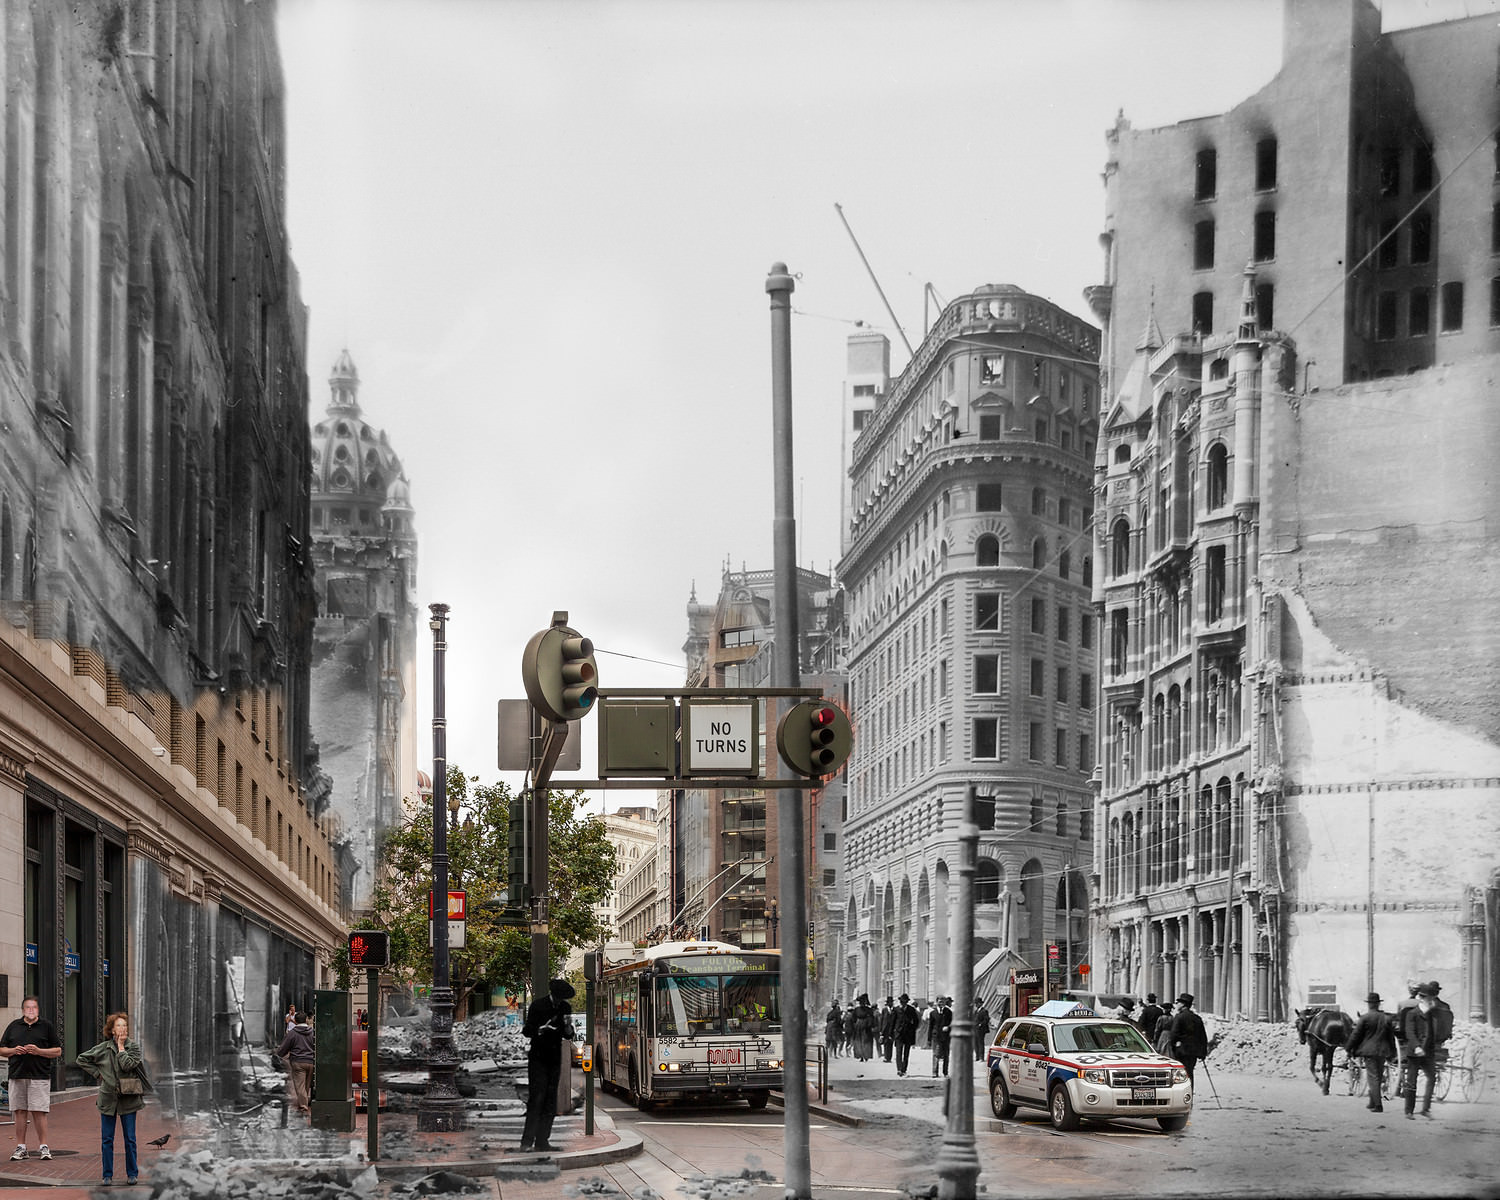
x,y
19,1153
44,1152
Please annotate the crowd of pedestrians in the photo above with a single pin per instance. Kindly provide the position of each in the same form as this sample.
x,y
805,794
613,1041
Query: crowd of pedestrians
x,y
865,1033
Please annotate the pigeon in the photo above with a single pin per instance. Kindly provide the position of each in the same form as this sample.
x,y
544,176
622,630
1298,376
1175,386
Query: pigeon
x,y
161,1141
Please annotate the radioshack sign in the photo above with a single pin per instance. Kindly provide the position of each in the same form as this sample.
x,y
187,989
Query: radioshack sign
x,y
721,738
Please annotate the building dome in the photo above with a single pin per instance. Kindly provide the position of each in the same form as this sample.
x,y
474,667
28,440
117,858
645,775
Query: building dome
x,y
354,469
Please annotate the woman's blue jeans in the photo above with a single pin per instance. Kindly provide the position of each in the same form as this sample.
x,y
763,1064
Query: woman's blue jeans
x,y
107,1143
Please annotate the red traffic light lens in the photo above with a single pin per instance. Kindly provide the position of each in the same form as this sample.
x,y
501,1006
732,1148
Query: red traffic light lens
x,y
823,715
358,950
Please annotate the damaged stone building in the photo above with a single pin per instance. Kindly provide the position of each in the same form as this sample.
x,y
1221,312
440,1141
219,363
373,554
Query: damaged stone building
x,y
1295,529
364,654
165,845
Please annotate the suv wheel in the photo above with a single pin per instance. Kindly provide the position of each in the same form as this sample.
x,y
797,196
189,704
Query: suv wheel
x,y
1061,1108
1000,1101
1173,1124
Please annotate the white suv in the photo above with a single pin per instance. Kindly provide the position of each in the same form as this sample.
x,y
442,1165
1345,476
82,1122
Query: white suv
x,y
1076,1065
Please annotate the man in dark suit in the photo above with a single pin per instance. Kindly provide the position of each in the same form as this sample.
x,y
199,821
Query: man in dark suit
x,y
907,1019
1189,1038
1373,1039
1149,1015
548,1023
939,1033
1419,1045
888,1028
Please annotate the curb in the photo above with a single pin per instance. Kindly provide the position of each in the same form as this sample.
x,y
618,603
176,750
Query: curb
x,y
835,1115
629,1145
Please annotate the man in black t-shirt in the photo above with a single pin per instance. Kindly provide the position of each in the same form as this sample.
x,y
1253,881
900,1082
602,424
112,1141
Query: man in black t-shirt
x,y
29,1046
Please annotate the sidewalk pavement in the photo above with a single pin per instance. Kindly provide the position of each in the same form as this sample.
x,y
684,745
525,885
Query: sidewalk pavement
x,y
487,1147
73,1138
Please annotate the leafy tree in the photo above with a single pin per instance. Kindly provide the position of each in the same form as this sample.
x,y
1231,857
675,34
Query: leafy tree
x,y
582,870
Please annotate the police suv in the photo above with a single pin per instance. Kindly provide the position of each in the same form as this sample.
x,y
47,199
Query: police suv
x,y
1067,1059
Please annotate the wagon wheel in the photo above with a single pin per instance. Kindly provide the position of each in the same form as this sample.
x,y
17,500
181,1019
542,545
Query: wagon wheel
x,y
1355,1076
1392,1079
1474,1078
1444,1083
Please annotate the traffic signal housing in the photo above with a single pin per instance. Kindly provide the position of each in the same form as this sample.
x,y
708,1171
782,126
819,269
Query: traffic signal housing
x,y
369,948
560,675
815,738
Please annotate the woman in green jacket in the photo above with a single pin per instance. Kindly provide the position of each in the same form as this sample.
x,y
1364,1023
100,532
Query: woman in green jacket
x,y
116,1058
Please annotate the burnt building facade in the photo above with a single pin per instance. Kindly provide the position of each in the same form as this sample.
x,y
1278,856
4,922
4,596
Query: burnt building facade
x,y
164,841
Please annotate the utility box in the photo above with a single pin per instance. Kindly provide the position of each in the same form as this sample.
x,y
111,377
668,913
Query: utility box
x,y
333,1109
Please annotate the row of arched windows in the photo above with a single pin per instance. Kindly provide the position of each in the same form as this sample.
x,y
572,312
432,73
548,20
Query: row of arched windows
x,y
1169,837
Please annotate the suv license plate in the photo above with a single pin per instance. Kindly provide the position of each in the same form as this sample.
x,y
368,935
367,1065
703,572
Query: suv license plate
x,y
1143,1093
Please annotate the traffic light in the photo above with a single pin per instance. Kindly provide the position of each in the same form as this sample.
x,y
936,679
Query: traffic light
x,y
369,948
814,738
517,856
560,674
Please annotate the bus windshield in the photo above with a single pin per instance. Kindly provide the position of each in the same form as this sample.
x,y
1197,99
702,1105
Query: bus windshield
x,y
718,1004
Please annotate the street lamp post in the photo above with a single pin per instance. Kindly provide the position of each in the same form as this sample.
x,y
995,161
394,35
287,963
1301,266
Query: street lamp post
x,y
773,919
441,1109
958,1160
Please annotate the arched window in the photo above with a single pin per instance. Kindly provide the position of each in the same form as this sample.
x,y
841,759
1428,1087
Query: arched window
x,y
987,882
1064,564
1218,475
1122,452
1038,554
987,550
1119,548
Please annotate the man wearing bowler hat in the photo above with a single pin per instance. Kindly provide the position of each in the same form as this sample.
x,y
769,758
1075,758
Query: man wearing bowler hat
x,y
1373,1039
1189,1038
1419,1045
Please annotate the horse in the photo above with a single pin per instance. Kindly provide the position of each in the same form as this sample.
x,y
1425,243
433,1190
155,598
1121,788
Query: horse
x,y
1323,1030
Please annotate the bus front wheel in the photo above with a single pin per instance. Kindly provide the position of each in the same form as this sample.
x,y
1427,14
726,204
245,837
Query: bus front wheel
x,y
759,1099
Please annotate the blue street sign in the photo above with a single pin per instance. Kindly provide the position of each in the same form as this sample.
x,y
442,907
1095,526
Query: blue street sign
x,y
32,957
70,964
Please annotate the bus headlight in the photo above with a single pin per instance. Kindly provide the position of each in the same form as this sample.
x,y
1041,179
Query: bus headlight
x,y
768,1064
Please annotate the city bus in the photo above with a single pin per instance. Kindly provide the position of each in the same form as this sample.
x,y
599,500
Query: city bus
x,y
688,1021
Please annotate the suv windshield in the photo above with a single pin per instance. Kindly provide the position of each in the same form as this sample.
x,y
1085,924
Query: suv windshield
x,y
1100,1035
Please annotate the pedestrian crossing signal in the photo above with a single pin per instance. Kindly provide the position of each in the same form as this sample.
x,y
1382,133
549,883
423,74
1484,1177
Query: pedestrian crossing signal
x,y
369,948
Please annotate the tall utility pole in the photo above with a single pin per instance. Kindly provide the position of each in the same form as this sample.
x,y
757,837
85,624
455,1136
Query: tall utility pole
x,y
441,1109
958,1161
788,673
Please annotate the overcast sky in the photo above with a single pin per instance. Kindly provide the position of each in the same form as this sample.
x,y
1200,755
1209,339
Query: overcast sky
x,y
542,229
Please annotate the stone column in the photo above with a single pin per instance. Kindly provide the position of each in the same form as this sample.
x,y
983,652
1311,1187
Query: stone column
x,y
1475,970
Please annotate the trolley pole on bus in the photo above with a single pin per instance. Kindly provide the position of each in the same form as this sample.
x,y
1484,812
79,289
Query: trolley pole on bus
x,y
787,673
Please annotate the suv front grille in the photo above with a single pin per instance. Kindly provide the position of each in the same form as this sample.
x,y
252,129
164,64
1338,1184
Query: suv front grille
x,y
1141,1077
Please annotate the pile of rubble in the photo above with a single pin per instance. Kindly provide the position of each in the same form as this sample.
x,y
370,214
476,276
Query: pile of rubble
x,y
205,1176
490,1040
1258,1048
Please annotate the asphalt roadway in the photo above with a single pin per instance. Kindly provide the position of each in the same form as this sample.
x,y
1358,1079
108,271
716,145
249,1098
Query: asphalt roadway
x,y
1261,1137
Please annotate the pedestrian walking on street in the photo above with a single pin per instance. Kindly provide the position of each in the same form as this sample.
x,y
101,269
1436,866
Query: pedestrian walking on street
x,y
296,1050
117,1064
548,1023
1126,1010
907,1020
1419,1046
1161,1038
1373,1039
860,1028
981,1030
833,1030
1151,1012
940,1033
30,1046
1189,1038
887,1028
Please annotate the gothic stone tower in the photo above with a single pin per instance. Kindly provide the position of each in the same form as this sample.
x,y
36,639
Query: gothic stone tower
x,y
364,551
